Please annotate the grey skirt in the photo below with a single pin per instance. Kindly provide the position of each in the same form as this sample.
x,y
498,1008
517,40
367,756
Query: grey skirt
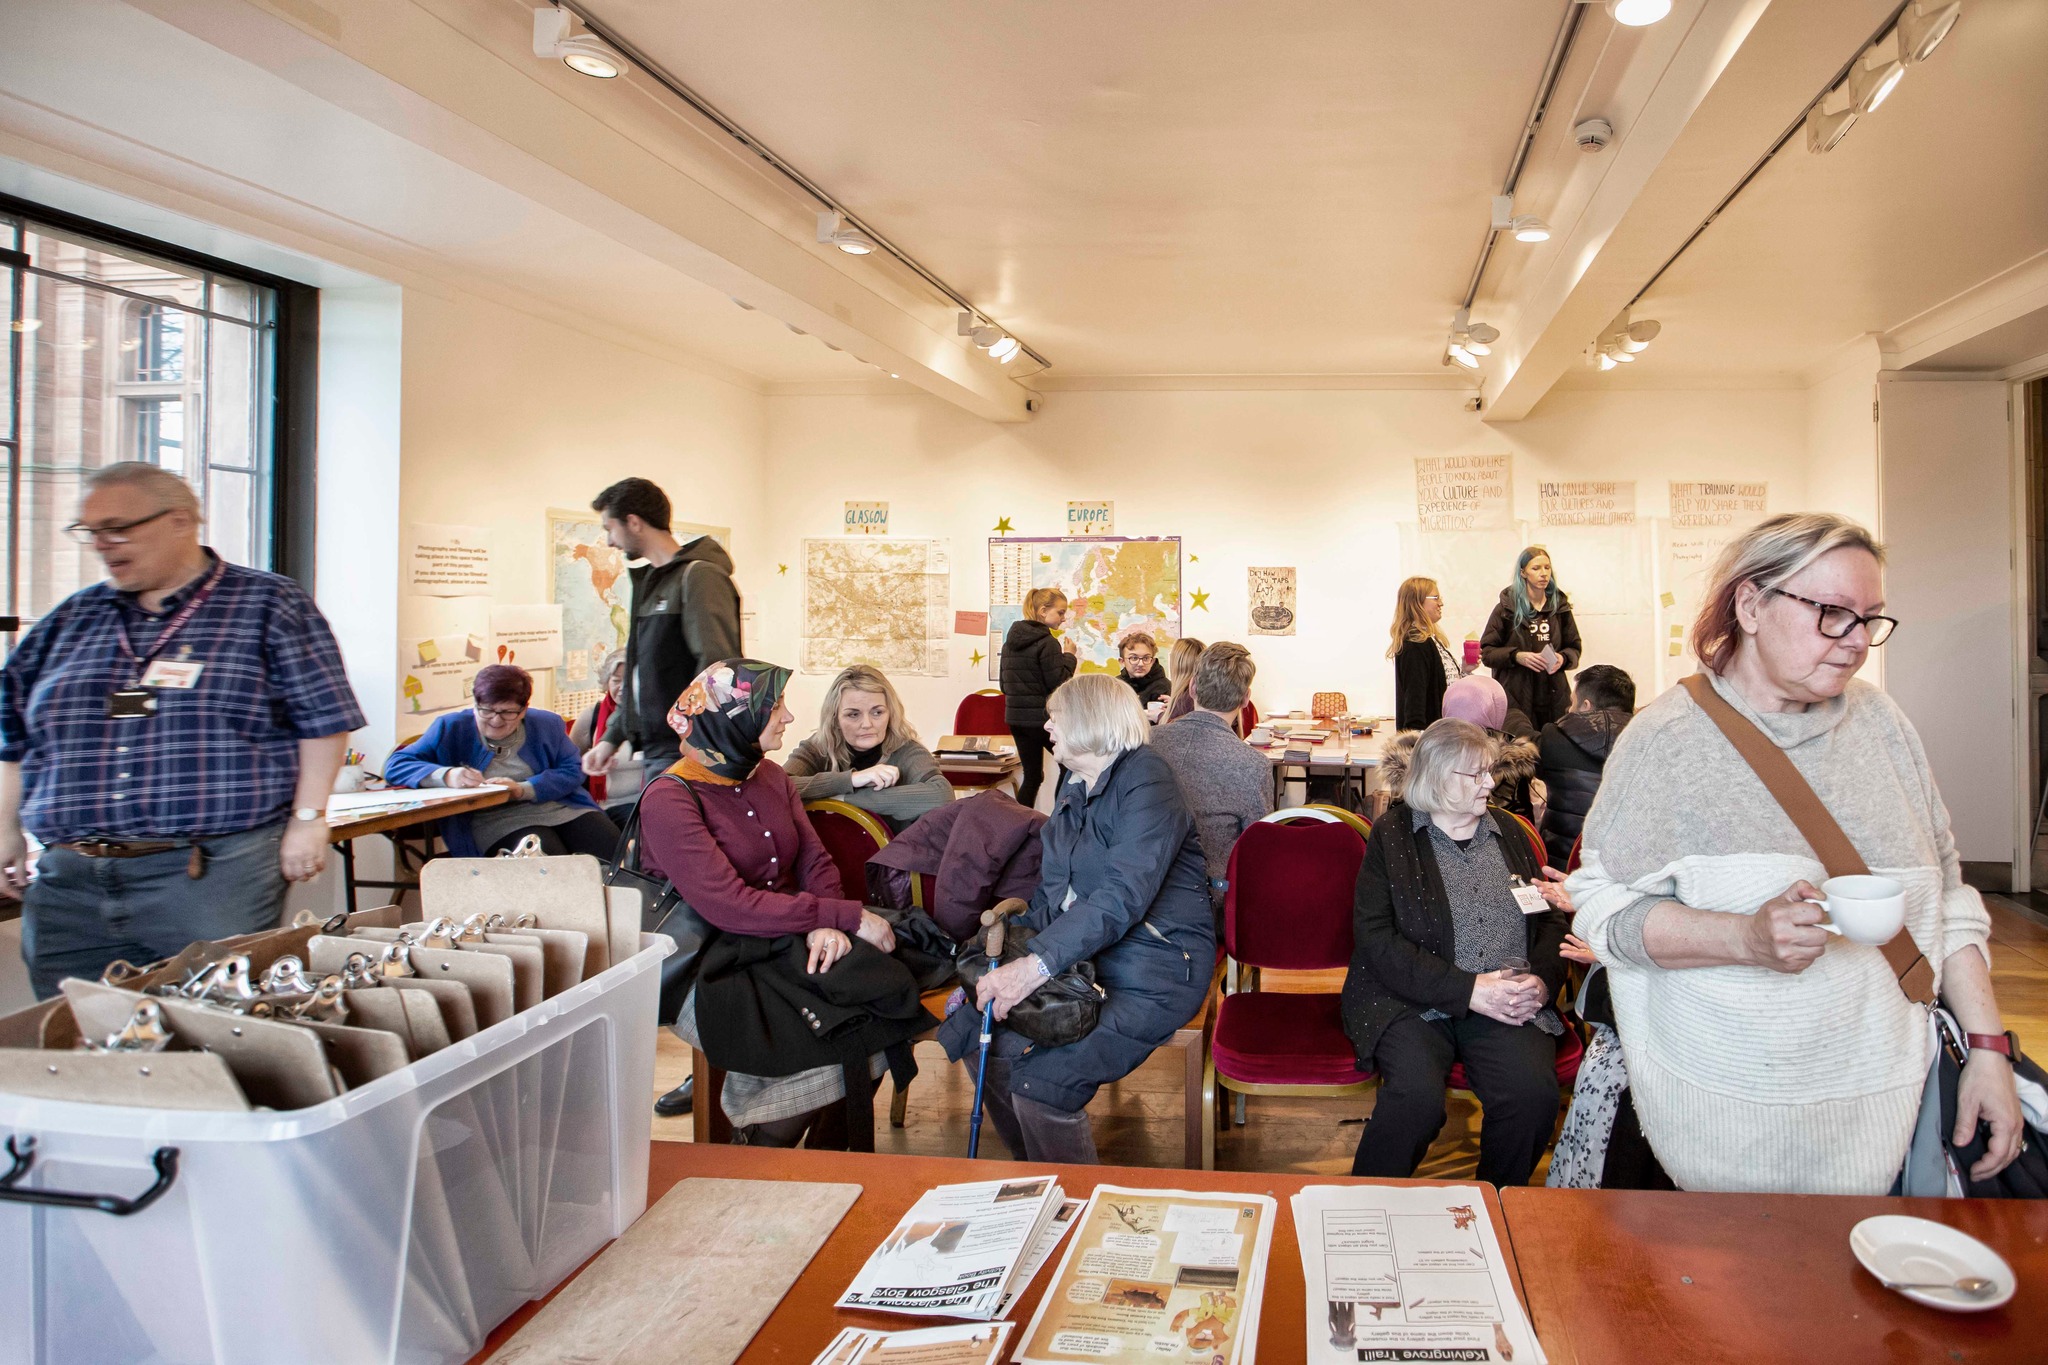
x,y
763,1099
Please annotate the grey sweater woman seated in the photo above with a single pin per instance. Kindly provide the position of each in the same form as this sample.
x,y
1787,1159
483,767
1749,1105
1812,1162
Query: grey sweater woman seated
x,y
866,754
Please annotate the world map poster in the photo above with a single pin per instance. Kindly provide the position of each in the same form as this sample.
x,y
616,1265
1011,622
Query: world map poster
x,y
1114,585
588,578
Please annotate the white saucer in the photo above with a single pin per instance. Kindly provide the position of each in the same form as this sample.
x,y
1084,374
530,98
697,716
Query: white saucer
x,y
1917,1251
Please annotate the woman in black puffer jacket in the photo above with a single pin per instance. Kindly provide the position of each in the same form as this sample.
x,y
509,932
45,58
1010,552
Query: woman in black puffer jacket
x,y
1034,664
1572,753
1533,614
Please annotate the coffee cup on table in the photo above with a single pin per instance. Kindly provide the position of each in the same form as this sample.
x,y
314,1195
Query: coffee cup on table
x,y
1863,909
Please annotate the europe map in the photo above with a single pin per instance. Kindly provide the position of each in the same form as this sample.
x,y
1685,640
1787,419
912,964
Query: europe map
x,y
1113,584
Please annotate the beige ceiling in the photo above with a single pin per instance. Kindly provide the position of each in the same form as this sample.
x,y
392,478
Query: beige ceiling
x,y
1943,187
1139,188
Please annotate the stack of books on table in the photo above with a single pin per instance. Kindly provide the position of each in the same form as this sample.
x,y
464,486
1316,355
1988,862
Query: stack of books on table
x,y
964,1251
976,748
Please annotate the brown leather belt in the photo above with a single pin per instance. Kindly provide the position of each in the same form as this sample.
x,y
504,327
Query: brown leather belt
x,y
114,848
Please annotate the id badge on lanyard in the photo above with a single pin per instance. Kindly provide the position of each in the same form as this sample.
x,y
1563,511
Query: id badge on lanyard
x,y
139,700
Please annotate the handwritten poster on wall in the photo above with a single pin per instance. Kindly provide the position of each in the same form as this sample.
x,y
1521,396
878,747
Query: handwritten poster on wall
x,y
530,636
1463,492
867,519
1586,502
1717,504
1091,518
448,561
1270,601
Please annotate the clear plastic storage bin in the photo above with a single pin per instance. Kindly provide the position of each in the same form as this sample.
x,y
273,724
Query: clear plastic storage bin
x,y
397,1223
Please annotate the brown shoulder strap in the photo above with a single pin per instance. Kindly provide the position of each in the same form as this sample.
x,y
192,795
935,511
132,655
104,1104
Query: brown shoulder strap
x,y
1810,816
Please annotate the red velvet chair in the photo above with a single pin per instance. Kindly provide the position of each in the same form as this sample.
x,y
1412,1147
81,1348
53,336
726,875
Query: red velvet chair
x,y
1529,833
852,836
1571,862
1292,876
1248,719
979,713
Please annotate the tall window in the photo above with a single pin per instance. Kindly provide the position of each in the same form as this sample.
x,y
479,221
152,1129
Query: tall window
x,y
118,354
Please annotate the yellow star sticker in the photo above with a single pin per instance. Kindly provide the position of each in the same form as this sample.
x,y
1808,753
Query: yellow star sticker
x,y
976,657
1194,559
782,568
1200,601
1002,526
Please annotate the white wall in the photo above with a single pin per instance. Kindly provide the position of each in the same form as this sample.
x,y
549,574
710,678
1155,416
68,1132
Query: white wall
x,y
1320,480
1841,437
507,415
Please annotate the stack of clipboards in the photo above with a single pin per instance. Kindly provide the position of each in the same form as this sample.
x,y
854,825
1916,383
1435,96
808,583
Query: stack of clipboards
x,y
297,1016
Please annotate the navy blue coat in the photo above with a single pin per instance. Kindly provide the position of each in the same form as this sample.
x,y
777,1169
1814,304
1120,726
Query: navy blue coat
x,y
1129,853
453,741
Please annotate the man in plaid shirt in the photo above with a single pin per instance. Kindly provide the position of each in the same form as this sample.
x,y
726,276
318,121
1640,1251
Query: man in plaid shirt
x,y
169,736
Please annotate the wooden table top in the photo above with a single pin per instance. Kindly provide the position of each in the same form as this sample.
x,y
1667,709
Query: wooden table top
x,y
805,1320
1627,1276
437,807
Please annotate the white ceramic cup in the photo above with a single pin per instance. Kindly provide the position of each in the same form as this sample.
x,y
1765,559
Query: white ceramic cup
x,y
1864,909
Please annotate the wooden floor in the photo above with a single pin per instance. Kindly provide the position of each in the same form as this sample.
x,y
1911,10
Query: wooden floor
x,y
1138,1121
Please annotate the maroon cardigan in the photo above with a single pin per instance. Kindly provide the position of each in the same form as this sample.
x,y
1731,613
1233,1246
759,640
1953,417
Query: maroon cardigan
x,y
749,863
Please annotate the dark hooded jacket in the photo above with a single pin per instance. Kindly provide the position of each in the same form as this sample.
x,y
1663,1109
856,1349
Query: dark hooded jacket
x,y
1542,697
1151,687
686,617
1033,668
1571,755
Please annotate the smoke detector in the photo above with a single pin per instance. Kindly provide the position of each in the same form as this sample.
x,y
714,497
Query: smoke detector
x,y
1593,135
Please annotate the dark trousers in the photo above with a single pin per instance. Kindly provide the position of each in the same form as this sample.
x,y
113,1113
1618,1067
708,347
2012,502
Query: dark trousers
x,y
1033,745
80,913
591,832
1033,1131
1512,1069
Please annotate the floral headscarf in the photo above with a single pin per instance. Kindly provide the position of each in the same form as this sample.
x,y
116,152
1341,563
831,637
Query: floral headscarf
x,y
720,717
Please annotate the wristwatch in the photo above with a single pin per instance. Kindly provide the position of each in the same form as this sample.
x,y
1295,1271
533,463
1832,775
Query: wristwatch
x,y
309,814
2005,1044
1044,971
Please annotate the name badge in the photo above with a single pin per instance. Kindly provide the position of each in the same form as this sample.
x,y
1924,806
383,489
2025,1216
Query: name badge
x,y
1530,898
131,703
182,674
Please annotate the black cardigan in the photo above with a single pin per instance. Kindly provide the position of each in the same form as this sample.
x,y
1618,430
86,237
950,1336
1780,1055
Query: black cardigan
x,y
1151,687
1419,684
1033,668
1404,949
1539,696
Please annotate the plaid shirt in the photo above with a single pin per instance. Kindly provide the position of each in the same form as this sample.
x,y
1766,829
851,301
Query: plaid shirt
x,y
217,758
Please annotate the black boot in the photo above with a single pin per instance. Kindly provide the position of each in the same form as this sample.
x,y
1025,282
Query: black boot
x,y
677,1101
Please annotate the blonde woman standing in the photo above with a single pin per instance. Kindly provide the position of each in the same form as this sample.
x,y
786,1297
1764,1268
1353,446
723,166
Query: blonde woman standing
x,y
1423,663
866,753
1034,665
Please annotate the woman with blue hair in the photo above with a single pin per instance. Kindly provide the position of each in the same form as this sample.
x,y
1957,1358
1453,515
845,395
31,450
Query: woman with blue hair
x,y
1531,640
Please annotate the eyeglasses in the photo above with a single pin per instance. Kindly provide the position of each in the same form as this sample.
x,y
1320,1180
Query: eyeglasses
x,y
1484,775
1836,622
501,712
114,532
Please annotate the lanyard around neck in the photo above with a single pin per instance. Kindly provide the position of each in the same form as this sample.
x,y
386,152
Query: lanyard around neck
x,y
177,623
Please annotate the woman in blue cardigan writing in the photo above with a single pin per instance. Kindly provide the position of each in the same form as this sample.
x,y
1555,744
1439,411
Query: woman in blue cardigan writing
x,y
501,740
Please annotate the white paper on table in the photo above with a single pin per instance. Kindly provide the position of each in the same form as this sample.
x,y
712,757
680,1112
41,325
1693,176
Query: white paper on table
x,y
529,636
1407,1272
1041,1252
957,1250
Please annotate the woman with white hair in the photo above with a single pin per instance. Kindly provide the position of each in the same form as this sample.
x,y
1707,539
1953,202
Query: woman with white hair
x,y
1764,1053
865,752
1448,966
1124,886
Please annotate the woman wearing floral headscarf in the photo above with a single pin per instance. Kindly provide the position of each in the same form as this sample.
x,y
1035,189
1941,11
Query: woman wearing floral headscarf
x,y
733,840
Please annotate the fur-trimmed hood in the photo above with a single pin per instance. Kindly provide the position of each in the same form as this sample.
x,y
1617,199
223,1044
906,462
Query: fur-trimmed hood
x,y
1516,762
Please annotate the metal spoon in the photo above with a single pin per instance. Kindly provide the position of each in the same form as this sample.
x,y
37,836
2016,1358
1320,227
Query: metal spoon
x,y
1971,1286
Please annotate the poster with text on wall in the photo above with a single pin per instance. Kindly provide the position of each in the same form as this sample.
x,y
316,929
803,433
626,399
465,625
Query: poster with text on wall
x,y
1585,502
1113,584
438,673
866,519
1269,601
1091,518
529,636
448,561
1695,504
1464,492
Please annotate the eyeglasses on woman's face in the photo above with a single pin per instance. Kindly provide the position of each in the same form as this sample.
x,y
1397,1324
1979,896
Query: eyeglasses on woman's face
x,y
1837,622
503,715
1484,777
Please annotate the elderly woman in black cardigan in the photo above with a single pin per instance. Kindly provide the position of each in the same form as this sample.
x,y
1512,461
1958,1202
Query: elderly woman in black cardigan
x,y
1450,964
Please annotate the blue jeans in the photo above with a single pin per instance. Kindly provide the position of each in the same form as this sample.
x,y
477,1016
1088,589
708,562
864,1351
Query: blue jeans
x,y
80,913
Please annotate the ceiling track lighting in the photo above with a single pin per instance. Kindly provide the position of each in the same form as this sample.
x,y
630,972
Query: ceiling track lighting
x,y
1622,341
1526,227
1923,25
1469,340
1634,13
833,231
585,55
1869,80
1000,345
1877,74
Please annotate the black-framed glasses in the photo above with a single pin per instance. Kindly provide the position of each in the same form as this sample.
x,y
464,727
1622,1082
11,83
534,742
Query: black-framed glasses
x,y
114,532
500,712
1836,622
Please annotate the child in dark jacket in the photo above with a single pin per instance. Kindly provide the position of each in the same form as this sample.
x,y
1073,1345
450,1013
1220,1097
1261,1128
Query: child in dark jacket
x,y
1572,753
1139,654
1034,664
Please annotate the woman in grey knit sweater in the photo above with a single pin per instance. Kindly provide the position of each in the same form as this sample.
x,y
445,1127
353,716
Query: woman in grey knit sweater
x,y
1762,1053
866,754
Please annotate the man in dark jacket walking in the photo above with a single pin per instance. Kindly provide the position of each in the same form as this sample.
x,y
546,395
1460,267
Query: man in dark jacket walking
x,y
1572,753
686,617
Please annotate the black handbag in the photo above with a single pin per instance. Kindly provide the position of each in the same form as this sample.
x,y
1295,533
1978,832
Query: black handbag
x,y
1065,1009
663,910
2027,1176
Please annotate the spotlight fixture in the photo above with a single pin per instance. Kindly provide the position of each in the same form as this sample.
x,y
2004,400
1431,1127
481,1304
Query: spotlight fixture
x,y
832,231
585,54
1526,227
1622,341
1641,334
1005,350
989,337
1470,339
1457,354
1829,121
1637,13
1878,72
1923,25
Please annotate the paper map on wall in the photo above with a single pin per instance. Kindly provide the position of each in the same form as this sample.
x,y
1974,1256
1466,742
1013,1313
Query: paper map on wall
x,y
874,600
1114,585
587,578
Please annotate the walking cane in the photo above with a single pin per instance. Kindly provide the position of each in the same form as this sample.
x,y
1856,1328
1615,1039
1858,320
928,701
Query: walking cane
x,y
992,920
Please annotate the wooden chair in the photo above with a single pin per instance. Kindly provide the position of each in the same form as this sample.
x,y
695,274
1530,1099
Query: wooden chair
x,y
852,836
1328,705
979,713
1289,904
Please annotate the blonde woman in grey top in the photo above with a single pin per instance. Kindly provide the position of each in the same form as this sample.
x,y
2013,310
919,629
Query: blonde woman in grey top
x,y
1764,1054
866,754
